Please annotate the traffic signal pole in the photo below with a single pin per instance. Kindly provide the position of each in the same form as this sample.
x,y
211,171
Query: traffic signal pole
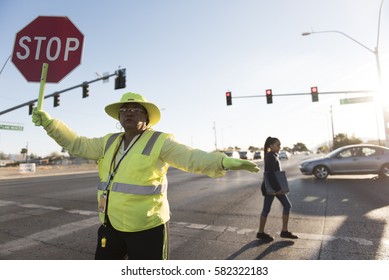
x,y
61,91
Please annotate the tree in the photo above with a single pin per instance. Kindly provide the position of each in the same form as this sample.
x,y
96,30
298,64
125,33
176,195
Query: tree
x,y
54,155
3,156
342,139
323,149
300,147
289,150
33,156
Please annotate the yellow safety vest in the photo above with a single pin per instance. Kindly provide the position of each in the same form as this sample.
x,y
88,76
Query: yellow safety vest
x,y
137,197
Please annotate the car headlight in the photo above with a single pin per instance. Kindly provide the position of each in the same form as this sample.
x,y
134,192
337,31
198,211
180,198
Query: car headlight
x,y
304,164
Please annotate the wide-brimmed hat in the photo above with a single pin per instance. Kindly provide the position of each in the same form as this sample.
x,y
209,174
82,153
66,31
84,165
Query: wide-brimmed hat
x,y
130,97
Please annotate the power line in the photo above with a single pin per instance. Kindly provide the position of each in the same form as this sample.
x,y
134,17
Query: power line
x,y
1,71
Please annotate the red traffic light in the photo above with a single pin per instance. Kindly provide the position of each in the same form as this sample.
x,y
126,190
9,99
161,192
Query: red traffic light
x,y
315,94
229,98
269,96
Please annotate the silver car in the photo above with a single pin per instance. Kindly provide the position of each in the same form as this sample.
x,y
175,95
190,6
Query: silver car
x,y
283,155
352,159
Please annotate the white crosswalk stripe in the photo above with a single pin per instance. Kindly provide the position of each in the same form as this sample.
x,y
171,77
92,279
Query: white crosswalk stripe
x,y
46,235
66,229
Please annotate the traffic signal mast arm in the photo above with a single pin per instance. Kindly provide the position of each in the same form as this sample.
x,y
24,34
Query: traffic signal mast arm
x,y
309,93
61,91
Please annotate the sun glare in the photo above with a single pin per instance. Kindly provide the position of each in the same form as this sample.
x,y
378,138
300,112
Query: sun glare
x,y
360,120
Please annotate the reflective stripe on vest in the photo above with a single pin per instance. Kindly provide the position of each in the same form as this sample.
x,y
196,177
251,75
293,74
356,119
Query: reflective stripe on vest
x,y
110,141
130,188
150,143
134,189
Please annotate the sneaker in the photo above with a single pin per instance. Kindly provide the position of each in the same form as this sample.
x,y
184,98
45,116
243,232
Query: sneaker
x,y
265,237
288,234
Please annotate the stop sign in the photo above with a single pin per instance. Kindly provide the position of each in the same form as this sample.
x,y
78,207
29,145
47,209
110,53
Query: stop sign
x,y
52,40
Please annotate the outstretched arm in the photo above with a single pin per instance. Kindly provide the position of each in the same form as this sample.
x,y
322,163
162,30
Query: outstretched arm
x,y
240,164
214,164
90,148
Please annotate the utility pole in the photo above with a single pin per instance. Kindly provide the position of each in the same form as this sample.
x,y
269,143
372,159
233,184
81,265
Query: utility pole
x,y
214,128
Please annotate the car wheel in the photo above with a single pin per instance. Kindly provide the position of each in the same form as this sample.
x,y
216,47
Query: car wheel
x,y
384,172
321,172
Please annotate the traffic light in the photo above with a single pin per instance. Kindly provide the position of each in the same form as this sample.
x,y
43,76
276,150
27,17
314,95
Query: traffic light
x,y
56,100
30,108
229,98
269,96
315,94
85,90
120,81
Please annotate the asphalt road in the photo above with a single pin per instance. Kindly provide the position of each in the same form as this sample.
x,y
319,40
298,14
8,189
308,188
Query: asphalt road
x,y
342,218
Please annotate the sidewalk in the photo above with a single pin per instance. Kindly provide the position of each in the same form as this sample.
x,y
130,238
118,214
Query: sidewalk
x,y
47,170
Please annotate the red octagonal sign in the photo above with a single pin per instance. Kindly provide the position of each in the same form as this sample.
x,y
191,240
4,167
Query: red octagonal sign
x,y
52,40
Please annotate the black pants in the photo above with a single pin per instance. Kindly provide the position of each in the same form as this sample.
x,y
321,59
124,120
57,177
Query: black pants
x,y
143,245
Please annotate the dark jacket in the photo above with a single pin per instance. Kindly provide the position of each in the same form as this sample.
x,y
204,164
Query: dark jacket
x,y
272,164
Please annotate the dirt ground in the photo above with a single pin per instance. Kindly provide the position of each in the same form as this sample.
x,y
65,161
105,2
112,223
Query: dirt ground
x,y
13,172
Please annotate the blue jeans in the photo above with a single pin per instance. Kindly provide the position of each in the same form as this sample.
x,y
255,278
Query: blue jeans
x,y
268,201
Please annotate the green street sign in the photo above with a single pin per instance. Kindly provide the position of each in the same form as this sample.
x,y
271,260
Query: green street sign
x,y
362,99
11,127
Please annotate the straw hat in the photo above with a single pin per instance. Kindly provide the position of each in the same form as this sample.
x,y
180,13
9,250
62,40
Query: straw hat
x,y
130,97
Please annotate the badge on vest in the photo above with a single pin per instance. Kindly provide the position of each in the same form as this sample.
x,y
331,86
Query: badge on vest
x,y
102,203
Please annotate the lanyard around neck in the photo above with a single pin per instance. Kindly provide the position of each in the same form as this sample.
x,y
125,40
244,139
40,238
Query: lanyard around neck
x,y
115,168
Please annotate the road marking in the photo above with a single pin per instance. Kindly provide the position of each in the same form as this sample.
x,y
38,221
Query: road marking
x,y
46,235
37,238
82,212
23,214
6,203
304,236
327,238
51,208
36,206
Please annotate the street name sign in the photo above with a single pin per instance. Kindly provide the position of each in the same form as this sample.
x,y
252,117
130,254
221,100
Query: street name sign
x,y
354,100
52,40
11,127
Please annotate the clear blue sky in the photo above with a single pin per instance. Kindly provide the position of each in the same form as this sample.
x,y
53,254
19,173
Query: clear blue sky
x,y
184,56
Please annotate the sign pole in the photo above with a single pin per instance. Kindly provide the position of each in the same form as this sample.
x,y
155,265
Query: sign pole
x,y
41,96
